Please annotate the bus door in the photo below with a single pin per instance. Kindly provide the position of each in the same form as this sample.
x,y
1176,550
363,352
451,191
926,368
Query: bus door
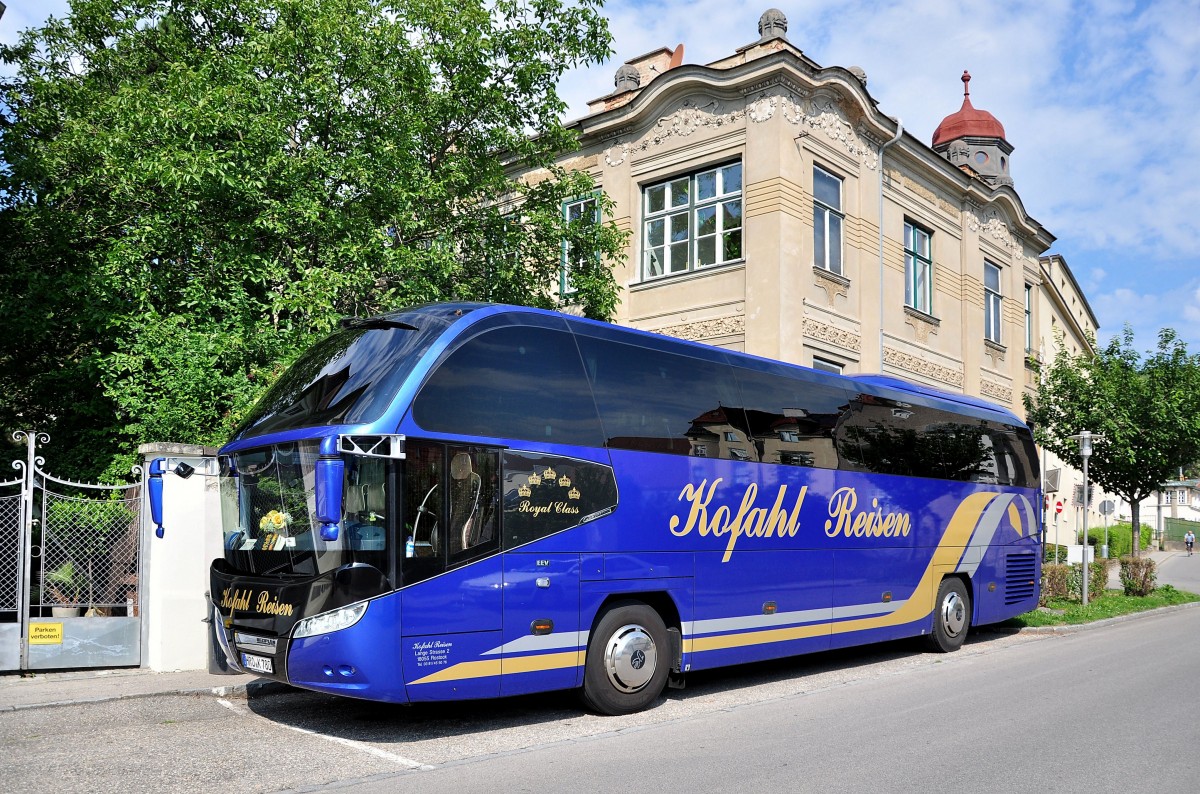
x,y
543,644
451,572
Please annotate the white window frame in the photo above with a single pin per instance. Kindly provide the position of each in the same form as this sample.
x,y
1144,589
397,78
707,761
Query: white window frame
x,y
1028,318
828,225
674,212
577,206
827,365
993,301
918,267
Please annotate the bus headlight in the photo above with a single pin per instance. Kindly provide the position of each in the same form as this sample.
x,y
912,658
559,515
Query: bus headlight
x,y
334,620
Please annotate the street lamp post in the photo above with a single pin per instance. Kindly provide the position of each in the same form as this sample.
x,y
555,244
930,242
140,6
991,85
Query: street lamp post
x,y
1085,439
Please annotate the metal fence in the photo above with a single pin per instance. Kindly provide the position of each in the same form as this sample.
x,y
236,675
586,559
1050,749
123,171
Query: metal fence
x,y
70,566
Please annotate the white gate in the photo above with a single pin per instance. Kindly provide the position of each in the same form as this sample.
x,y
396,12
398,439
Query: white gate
x,y
70,567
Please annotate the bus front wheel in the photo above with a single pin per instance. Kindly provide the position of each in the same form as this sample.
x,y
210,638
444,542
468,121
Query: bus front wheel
x,y
628,659
951,616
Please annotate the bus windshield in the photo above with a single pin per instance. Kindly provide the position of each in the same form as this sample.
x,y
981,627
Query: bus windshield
x,y
352,375
272,527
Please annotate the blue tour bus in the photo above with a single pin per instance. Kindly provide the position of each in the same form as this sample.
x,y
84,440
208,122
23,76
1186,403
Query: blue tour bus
x,y
473,501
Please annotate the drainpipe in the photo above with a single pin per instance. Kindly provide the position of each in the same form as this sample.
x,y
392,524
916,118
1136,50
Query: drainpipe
x,y
899,132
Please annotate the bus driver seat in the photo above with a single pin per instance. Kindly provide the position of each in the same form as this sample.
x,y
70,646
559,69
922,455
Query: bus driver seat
x,y
465,486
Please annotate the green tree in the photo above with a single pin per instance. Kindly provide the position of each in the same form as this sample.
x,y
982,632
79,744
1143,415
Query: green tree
x,y
1148,411
192,191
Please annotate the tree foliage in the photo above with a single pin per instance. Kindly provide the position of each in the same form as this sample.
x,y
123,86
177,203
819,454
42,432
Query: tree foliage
x,y
192,191
1148,411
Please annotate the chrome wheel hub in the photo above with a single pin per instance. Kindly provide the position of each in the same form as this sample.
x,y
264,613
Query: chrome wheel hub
x,y
630,658
954,614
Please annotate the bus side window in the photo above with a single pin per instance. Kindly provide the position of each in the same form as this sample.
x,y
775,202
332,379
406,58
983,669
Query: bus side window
x,y
512,383
474,477
657,401
544,494
423,516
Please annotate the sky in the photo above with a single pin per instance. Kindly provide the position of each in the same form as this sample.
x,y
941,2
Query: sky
x,y
1099,99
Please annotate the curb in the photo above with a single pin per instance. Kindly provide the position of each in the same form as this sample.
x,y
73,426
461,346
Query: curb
x,y
1095,624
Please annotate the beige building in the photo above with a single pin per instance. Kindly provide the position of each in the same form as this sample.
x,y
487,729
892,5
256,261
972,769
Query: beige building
x,y
772,208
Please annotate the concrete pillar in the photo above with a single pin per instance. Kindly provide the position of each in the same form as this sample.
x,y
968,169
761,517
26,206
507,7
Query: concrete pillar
x,y
175,568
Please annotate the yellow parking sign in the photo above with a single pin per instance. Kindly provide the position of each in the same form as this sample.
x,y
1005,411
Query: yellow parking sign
x,y
45,633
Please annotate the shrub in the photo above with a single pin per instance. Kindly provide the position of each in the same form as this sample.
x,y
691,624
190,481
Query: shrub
x,y
1098,581
1119,538
1066,581
1138,575
1054,553
1054,582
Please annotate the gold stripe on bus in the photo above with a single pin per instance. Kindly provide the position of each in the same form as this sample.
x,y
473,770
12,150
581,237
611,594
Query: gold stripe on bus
x,y
516,664
946,555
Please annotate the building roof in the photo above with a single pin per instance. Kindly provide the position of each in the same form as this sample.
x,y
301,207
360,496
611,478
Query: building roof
x,y
968,122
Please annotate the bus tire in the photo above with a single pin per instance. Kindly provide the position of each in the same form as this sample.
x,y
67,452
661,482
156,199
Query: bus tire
x,y
951,616
628,659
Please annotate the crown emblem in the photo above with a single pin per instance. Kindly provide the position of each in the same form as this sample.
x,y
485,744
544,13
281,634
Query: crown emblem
x,y
564,481
549,474
524,491
573,493
535,479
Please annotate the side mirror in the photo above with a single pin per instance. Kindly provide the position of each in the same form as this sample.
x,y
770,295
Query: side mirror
x,y
157,467
331,473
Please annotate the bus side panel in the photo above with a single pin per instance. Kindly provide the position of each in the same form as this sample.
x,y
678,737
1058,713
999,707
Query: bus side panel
x,y
538,588
874,587
760,605
1008,582
451,633
359,661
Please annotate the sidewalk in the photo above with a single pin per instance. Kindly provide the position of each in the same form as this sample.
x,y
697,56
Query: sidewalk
x,y
38,689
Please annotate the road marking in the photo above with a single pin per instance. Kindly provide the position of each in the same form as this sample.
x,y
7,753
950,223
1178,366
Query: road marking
x,y
408,763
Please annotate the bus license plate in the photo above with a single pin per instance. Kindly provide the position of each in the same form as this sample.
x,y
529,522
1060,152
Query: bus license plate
x,y
259,664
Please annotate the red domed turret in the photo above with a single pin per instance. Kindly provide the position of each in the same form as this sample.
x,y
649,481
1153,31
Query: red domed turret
x,y
967,122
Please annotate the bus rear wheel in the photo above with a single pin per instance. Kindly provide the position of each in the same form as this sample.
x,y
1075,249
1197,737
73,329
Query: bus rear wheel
x,y
627,660
951,616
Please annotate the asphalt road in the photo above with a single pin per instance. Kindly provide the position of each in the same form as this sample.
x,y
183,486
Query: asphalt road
x,y
1092,711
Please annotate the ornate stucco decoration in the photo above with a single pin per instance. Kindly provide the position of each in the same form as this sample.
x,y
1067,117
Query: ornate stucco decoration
x,y
989,222
995,352
693,114
827,114
706,329
847,340
997,391
919,366
832,283
922,324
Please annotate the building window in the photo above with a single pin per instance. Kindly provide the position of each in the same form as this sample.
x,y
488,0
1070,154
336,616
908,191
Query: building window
x,y
731,436
692,222
827,220
1169,497
827,366
1183,497
918,268
1028,318
991,302
580,211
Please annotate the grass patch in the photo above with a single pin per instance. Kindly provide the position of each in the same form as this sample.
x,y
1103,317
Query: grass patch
x,y
1113,603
